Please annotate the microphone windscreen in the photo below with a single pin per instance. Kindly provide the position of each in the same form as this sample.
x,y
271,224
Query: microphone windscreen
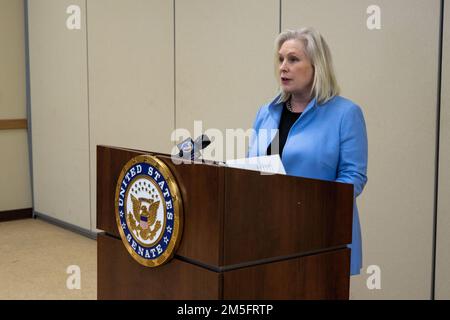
x,y
202,141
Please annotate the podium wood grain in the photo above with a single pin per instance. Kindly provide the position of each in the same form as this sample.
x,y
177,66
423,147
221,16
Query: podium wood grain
x,y
245,236
235,216
321,276
120,277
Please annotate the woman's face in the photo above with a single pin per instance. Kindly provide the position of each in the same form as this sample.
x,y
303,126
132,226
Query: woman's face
x,y
296,70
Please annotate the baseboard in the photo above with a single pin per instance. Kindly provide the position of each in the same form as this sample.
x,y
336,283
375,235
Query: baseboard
x,y
68,226
17,214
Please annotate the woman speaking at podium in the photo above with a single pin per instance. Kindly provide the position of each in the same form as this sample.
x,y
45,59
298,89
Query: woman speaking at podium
x,y
320,134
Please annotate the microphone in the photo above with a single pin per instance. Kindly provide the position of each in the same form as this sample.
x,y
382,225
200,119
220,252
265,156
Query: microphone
x,y
190,149
202,142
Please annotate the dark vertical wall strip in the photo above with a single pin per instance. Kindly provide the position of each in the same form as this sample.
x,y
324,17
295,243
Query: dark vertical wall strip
x,y
28,100
174,69
279,26
436,173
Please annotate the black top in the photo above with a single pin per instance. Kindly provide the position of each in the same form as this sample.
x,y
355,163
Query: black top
x,y
287,120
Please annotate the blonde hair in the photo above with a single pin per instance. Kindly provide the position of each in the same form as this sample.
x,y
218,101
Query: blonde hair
x,y
325,86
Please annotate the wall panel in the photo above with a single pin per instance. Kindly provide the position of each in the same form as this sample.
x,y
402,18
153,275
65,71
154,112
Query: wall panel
x,y
392,73
15,189
12,60
131,77
15,185
443,217
59,107
224,63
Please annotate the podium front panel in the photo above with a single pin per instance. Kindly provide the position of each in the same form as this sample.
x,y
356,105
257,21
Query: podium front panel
x,y
245,236
269,216
234,216
120,277
201,189
319,276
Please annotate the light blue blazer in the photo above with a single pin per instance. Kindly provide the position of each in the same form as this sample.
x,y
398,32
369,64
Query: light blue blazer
x,y
327,142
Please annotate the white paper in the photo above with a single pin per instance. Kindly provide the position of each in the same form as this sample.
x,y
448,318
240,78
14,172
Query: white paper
x,y
265,164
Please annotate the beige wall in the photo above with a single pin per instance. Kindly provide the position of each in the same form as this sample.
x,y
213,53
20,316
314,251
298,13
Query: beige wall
x,y
224,70
12,60
59,108
126,79
15,186
443,218
394,79
131,81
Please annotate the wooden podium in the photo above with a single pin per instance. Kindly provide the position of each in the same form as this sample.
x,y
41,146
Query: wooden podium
x,y
245,236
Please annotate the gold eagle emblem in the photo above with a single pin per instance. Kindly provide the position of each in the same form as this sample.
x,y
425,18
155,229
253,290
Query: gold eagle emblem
x,y
143,217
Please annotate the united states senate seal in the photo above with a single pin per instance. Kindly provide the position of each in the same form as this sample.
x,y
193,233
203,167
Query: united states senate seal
x,y
149,210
